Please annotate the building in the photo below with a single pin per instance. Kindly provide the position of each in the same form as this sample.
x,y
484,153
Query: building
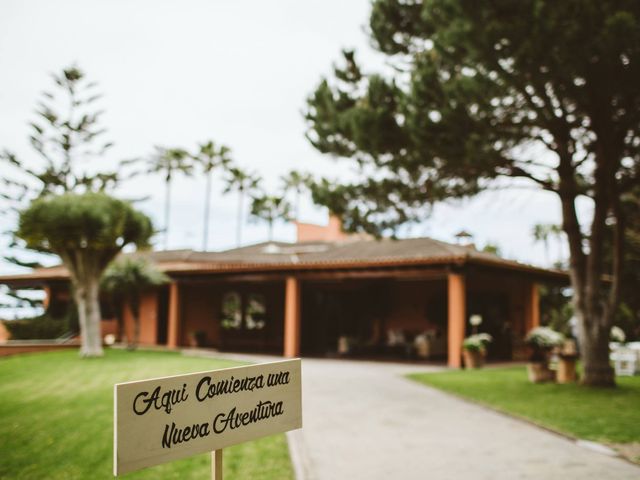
x,y
331,294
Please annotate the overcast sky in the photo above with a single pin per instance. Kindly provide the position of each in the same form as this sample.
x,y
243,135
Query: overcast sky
x,y
175,73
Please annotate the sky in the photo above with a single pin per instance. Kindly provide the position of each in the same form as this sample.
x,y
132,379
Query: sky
x,y
176,73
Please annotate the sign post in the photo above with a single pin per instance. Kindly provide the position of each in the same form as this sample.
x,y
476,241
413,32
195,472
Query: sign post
x,y
164,419
216,465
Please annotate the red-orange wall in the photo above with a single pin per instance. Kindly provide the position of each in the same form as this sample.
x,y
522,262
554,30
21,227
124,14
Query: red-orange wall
x,y
200,306
148,319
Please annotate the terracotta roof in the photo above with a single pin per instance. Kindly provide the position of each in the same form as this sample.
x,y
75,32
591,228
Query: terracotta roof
x,y
271,256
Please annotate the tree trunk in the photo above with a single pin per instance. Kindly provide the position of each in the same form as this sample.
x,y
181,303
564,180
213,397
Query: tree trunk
x,y
167,207
207,201
239,225
594,345
89,318
134,305
585,269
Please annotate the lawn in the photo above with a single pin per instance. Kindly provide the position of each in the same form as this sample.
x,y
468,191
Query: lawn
x,y
56,414
605,415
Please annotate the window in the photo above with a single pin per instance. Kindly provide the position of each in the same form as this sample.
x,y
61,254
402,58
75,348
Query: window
x,y
256,311
231,318
243,311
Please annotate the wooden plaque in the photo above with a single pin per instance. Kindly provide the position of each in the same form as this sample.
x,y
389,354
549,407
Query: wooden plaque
x,y
168,418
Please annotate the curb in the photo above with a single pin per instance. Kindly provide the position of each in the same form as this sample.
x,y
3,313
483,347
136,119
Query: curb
x,y
298,455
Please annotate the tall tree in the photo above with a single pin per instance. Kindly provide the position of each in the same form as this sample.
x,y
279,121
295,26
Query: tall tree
x,y
124,281
543,232
537,90
169,162
86,231
67,138
297,182
270,208
210,158
70,154
244,183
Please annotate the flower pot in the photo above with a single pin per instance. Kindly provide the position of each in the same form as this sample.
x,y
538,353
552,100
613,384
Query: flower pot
x,y
566,372
539,372
473,358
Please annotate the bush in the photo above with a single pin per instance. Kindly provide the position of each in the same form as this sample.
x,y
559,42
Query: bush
x,y
42,327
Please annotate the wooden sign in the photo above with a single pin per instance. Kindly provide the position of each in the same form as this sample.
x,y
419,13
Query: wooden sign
x,y
168,418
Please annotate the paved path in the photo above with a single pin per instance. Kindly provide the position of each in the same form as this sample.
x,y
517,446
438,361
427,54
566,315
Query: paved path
x,y
363,420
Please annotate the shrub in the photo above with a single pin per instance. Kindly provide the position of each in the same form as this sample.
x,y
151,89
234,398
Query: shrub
x,y
42,327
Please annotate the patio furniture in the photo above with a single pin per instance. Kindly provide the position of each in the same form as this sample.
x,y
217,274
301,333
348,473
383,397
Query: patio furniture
x,y
430,344
625,361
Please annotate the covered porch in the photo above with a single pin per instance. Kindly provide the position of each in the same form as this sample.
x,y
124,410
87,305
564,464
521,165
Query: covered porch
x,y
367,312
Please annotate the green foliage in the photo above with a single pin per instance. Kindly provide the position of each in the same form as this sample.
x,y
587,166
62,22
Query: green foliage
x,y
43,326
210,156
130,276
479,84
87,231
241,180
298,182
90,222
39,409
123,283
537,89
67,136
556,309
270,208
169,161
628,315
493,248
543,232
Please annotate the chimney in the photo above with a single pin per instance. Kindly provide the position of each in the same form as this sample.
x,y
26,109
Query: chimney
x,y
332,232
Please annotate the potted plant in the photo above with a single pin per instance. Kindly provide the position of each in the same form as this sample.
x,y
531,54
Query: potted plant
x,y
541,340
474,349
198,339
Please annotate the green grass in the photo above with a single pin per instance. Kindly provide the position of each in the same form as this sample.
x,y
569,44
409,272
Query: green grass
x,y
56,419
605,415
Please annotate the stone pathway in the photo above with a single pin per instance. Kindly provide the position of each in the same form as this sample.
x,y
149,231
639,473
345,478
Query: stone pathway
x,y
364,420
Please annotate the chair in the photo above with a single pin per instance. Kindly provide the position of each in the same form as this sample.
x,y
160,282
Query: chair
x,y
625,361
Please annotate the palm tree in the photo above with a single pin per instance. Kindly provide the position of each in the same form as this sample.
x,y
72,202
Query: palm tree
x,y
542,232
243,182
210,158
123,282
169,161
270,208
298,182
